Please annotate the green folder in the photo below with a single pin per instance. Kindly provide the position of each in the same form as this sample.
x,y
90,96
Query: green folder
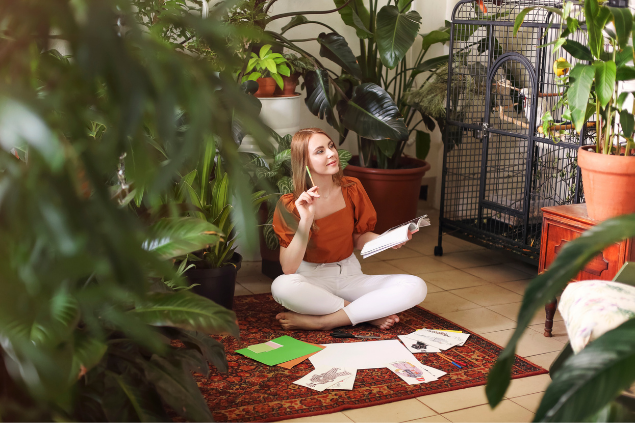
x,y
291,349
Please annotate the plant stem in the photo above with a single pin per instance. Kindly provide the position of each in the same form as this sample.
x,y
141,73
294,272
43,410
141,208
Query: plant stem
x,y
303,40
598,135
308,12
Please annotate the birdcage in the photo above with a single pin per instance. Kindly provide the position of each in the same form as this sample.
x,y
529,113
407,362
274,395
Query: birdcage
x,y
499,166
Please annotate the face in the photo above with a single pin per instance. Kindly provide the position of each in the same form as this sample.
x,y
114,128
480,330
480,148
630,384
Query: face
x,y
323,157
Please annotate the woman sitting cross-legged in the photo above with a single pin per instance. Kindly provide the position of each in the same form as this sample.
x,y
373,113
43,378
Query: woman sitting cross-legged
x,y
318,227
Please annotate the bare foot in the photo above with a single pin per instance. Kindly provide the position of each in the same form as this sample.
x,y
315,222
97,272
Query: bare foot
x,y
385,323
290,320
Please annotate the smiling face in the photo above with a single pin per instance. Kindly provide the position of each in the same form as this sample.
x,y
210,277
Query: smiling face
x,y
323,157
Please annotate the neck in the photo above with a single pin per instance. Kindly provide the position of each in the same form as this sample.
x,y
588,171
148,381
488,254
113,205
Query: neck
x,y
324,182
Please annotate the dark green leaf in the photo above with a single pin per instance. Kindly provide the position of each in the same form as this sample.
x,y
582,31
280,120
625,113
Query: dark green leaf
x,y
621,98
176,237
187,311
347,15
285,185
604,81
623,20
592,378
126,400
345,157
386,147
625,73
404,5
192,360
521,17
212,350
581,79
395,34
372,113
434,37
432,64
359,24
577,50
570,260
295,21
624,56
596,18
317,95
423,144
627,122
335,48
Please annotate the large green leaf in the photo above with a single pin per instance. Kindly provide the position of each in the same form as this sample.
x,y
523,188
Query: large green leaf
x,y
627,123
541,290
605,81
317,95
625,73
623,20
187,311
88,352
285,185
395,34
212,350
423,144
624,56
592,378
126,400
295,21
386,147
220,196
581,79
360,10
372,113
335,48
521,17
577,50
434,37
175,237
177,388
431,64
345,157
596,18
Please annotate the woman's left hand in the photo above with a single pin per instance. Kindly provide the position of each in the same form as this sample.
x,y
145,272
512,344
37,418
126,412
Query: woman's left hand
x,y
404,243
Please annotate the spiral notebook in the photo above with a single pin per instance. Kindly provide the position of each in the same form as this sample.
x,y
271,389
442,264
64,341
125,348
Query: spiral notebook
x,y
394,236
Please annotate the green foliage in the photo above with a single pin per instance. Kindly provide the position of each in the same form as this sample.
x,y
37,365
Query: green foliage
x,y
267,63
396,32
90,216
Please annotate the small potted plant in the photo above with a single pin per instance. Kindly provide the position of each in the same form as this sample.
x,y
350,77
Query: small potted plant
x,y
267,69
591,93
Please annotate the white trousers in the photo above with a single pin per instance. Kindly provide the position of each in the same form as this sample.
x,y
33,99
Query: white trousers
x,y
319,289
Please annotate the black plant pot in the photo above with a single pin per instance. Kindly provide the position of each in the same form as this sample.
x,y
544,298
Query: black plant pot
x,y
217,284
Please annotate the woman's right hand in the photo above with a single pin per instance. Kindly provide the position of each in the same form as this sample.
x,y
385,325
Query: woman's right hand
x,y
306,204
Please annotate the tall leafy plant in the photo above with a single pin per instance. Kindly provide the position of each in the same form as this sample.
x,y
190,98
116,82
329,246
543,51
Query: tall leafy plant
x,y
85,323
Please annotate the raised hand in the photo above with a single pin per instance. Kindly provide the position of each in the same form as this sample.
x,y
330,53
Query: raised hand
x,y
404,243
306,204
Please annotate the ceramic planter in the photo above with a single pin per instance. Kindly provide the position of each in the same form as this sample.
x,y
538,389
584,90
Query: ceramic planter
x,y
609,183
217,284
393,192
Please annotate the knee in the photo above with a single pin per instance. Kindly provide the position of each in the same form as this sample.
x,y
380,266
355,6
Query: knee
x,y
418,289
283,287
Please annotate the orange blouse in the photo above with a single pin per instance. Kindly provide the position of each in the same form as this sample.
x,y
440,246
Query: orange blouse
x,y
333,240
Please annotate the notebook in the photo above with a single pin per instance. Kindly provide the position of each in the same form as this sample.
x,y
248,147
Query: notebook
x,y
394,236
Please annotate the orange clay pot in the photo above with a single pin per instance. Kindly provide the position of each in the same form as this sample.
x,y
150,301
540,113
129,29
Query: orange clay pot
x,y
266,87
609,183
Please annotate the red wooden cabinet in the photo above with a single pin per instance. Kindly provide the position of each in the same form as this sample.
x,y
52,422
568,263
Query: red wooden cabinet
x,y
561,224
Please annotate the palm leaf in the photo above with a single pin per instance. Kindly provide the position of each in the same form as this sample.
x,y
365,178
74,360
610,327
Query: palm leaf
x,y
176,237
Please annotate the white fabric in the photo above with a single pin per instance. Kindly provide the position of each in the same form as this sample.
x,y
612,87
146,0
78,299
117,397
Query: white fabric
x,y
320,289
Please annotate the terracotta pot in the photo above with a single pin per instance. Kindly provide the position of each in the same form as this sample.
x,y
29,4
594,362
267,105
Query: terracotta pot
x,y
393,192
609,183
266,87
288,89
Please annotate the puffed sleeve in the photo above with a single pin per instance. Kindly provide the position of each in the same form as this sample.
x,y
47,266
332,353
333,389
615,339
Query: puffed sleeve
x,y
285,222
364,212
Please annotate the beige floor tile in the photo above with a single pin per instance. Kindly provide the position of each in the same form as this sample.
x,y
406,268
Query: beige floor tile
x,y
558,331
257,286
446,302
462,244
531,269
432,419
488,295
241,290
399,411
250,267
511,312
527,385
453,279
543,360
530,343
497,273
400,253
480,320
516,286
380,268
467,259
455,400
424,246
432,287
530,402
506,411
420,265
326,418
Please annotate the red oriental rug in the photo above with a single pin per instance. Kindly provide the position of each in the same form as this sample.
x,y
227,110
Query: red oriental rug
x,y
252,391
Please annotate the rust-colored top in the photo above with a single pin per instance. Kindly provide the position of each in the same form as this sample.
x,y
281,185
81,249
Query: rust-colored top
x,y
333,240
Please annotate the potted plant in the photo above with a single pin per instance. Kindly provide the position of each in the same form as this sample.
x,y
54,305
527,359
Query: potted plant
x,y
272,174
267,69
590,91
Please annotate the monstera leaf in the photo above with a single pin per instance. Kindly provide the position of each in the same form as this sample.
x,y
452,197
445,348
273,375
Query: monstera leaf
x,y
395,34
373,114
335,48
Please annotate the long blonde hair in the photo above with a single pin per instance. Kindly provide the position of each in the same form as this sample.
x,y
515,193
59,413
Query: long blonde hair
x,y
300,159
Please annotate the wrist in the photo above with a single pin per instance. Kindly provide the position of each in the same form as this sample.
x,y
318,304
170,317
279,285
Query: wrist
x,y
305,223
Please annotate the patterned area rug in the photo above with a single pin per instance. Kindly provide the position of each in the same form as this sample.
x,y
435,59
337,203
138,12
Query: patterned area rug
x,y
252,391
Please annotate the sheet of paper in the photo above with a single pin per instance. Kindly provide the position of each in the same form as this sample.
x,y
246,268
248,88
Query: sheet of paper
x,y
347,383
291,349
434,373
435,341
411,372
291,363
321,378
273,345
416,345
260,348
385,241
457,338
362,355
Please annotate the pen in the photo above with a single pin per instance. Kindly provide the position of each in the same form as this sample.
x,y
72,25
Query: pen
x,y
450,360
311,177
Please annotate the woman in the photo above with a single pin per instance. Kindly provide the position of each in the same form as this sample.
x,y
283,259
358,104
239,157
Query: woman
x,y
323,286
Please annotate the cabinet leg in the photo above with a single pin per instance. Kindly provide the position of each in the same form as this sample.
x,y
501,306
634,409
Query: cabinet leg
x,y
550,311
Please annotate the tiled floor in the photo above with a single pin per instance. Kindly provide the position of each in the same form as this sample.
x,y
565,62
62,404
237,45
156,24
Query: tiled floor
x,y
476,288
